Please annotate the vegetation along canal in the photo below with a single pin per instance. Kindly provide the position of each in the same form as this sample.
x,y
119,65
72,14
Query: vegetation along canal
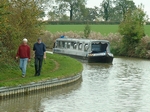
x,y
123,86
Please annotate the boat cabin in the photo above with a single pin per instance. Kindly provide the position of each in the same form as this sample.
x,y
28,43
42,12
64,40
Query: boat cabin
x,y
83,48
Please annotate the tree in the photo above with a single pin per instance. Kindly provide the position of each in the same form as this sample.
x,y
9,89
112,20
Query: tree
x,y
106,9
87,31
122,6
132,28
90,14
4,27
70,5
64,17
54,14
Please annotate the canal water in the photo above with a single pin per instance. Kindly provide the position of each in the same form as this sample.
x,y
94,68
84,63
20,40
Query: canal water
x,y
123,86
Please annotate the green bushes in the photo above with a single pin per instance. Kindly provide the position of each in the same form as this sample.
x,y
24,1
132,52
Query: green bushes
x,y
17,23
87,31
132,29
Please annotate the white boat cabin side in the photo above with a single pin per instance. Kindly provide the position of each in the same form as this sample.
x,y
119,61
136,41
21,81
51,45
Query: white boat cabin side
x,y
80,47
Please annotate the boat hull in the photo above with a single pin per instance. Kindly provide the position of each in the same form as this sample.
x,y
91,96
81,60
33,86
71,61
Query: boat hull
x,y
100,59
92,59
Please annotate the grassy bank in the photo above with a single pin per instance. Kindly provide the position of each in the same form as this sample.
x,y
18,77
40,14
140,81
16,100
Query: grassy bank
x,y
103,29
55,66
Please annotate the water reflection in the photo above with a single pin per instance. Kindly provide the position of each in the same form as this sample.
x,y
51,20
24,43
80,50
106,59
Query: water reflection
x,y
32,103
123,86
128,85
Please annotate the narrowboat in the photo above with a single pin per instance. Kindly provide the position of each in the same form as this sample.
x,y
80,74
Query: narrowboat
x,y
94,51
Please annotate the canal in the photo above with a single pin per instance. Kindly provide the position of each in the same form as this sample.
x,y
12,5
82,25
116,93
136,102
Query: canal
x,y
123,86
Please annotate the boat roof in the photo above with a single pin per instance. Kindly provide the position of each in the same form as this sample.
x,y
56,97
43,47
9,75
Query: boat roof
x,y
81,40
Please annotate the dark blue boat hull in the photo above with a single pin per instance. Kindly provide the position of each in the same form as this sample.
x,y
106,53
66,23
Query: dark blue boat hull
x,y
100,59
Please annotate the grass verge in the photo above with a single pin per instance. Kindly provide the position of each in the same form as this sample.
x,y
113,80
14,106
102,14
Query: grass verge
x,y
55,66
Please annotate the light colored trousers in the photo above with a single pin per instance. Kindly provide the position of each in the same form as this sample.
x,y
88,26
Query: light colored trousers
x,y
23,65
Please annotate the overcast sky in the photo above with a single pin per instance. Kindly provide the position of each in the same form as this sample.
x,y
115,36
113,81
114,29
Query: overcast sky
x,y
146,3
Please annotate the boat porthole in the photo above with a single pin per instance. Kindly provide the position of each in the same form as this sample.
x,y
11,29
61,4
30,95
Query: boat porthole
x,y
80,46
75,46
86,46
68,46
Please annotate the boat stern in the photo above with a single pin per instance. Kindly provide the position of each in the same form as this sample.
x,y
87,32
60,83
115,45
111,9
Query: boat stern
x,y
100,57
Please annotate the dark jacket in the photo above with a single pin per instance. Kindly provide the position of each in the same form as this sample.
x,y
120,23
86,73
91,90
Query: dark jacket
x,y
39,49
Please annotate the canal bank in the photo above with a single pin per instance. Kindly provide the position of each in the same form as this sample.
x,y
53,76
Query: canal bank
x,y
57,71
8,92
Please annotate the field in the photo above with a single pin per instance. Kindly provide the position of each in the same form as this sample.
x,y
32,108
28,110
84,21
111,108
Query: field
x,y
103,29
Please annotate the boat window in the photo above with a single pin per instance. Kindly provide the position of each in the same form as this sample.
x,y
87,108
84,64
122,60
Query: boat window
x,y
68,45
104,47
80,46
98,47
57,44
86,46
61,44
65,45
74,46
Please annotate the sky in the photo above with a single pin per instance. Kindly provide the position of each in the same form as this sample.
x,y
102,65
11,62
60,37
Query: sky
x,y
146,3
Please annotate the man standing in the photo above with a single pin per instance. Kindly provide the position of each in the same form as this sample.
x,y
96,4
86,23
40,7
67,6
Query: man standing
x,y
24,54
39,50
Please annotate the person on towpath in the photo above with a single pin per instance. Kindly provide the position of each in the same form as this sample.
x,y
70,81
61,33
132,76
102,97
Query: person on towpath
x,y
39,53
24,54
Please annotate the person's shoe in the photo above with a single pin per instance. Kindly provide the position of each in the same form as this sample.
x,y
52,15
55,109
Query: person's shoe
x,y
36,74
23,76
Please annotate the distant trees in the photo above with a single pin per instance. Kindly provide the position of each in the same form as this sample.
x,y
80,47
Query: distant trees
x,y
114,10
105,10
122,6
75,10
56,15
108,10
91,14
73,6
